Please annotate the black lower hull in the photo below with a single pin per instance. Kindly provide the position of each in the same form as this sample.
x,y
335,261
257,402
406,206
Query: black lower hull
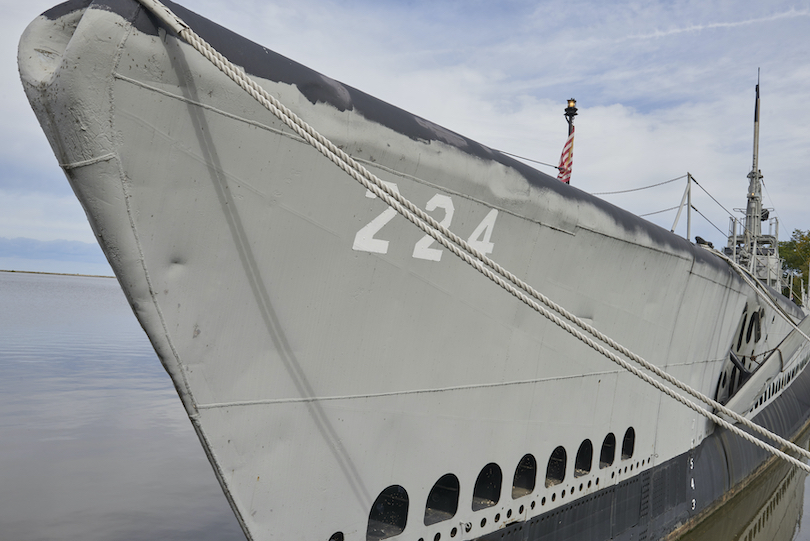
x,y
672,497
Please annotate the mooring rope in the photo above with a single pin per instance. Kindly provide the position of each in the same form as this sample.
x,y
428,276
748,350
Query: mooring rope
x,y
463,250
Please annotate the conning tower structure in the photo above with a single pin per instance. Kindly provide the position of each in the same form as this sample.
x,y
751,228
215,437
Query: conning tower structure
x,y
749,247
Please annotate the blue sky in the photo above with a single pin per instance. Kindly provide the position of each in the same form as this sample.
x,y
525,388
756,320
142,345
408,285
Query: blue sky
x,y
663,88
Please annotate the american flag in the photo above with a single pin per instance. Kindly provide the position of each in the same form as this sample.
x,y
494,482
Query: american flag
x,y
567,159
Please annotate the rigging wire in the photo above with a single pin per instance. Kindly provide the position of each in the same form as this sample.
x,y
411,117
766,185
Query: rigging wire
x,y
478,260
713,199
771,198
642,188
658,212
672,208
528,159
708,220
654,186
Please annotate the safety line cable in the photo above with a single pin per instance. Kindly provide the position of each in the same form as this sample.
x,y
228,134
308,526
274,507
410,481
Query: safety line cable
x,y
529,159
658,212
772,203
708,220
642,188
673,208
710,195
744,228
464,251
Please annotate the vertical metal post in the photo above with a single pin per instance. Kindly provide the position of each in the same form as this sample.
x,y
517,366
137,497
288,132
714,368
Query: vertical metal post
x,y
773,256
753,212
734,225
686,199
566,160
689,207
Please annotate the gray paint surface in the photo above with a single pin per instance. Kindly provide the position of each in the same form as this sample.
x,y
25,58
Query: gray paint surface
x,y
322,349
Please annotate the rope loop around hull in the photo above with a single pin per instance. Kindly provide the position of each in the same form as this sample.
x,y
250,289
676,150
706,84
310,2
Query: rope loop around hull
x,y
483,264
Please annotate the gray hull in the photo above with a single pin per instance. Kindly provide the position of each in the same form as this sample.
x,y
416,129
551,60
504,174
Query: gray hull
x,y
348,378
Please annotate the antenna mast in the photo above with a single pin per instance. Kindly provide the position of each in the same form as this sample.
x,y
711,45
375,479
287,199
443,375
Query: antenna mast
x,y
758,252
753,213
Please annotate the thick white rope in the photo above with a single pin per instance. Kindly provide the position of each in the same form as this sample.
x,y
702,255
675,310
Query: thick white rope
x,y
472,256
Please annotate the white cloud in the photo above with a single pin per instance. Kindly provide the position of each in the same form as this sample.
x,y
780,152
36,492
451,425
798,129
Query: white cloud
x,y
663,88
792,13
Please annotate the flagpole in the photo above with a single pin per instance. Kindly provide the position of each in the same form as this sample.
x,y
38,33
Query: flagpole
x,y
566,159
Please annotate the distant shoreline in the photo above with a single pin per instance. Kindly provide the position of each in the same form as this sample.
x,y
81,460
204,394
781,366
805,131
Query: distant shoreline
x,y
59,273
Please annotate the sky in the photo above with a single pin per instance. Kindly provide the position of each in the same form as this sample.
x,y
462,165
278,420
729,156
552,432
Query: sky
x,y
663,88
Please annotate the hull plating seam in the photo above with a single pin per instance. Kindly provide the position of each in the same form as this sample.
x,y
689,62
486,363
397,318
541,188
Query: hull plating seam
x,y
470,253
680,491
320,372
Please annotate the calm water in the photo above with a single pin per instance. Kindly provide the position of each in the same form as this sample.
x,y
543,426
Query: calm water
x,y
94,444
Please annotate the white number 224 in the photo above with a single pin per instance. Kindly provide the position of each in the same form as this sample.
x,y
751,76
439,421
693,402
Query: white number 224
x,y
365,240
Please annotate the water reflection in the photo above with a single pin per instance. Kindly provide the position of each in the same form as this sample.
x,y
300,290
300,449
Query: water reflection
x,y
769,509
95,443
